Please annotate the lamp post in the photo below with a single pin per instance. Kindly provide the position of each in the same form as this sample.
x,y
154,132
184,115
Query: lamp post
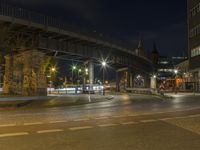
x,y
52,71
73,68
79,71
153,82
103,65
176,72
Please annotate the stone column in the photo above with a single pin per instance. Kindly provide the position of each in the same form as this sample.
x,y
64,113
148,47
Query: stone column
x,y
34,82
153,83
127,78
131,80
91,72
117,82
27,74
7,76
147,81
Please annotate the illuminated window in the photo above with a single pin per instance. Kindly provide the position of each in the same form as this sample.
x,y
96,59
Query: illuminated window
x,y
195,51
164,62
195,10
195,31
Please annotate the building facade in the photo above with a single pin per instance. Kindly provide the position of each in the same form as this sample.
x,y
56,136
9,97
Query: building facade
x,y
194,41
1,70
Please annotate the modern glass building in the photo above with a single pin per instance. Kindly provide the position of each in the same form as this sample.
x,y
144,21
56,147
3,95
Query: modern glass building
x,y
194,41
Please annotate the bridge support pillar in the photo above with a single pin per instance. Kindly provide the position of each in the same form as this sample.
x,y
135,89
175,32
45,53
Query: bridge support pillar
x,y
117,82
124,79
153,84
147,81
25,74
91,72
131,80
127,79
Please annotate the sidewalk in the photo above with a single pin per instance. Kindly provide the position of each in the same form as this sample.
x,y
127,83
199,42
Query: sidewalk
x,y
25,98
181,94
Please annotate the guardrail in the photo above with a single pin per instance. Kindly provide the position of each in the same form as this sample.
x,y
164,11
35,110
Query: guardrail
x,y
141,90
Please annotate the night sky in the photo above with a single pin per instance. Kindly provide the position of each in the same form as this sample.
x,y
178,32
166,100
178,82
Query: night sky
x,y
163,21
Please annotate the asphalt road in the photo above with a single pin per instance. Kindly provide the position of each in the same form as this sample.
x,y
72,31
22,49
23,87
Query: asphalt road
x,y
128,122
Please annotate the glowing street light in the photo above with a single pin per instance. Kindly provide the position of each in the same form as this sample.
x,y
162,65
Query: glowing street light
x,y
175,78
79,71
175,71
86,71
52,71
73,68
103,65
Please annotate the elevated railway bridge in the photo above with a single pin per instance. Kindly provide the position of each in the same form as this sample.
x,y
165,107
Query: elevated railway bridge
x,y
28,37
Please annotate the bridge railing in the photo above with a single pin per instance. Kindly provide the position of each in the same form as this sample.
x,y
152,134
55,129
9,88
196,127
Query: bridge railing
x,y
24,14
48,21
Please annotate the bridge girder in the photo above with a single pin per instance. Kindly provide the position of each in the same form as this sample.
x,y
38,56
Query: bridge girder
x,y
46,36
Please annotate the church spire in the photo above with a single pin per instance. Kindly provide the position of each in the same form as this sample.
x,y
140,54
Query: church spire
x,y
140,48
141,44
154,50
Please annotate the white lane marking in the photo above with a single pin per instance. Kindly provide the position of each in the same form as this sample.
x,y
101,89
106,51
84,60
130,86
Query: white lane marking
x,y
164,112
32,123
119,116
80,128
101,118
50,131
8,125
182,117
86,119
192,116
129,123
107,125
147,121
164,119
58,121
13,134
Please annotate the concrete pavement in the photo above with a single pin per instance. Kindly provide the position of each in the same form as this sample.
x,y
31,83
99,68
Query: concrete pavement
x,y
155,132
127,122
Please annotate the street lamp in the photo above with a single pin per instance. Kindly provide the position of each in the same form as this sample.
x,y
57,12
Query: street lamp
x,y
73,68
176,72
86,71
103,65
79,71
52,71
